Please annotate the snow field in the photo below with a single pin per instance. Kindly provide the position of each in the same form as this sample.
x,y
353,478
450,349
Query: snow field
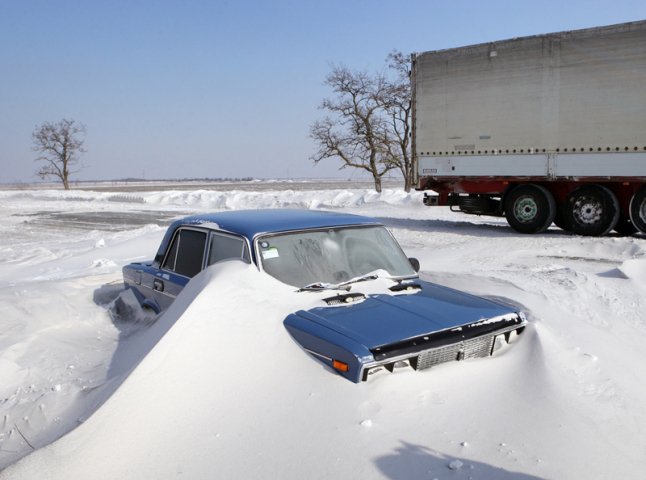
x,y
221,390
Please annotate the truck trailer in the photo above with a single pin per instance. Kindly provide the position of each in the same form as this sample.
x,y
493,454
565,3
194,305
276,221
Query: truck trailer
x,y
541,129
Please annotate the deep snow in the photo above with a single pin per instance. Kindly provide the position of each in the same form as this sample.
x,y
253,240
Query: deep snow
x,y
220,390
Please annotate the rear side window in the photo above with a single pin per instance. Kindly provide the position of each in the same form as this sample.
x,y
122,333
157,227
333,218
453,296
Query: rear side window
x,y
223,247
186,253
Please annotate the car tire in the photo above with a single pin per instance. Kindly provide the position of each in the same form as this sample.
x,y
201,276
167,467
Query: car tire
x,y
591,210
530,208
638,210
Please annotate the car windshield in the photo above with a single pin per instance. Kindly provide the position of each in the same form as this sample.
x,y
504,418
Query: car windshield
x,y
332,256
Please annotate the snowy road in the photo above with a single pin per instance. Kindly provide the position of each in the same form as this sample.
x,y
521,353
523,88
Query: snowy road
x,y
567,402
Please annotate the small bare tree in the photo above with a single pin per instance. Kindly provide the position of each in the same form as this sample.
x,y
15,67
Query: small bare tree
x,y
59,146
357,132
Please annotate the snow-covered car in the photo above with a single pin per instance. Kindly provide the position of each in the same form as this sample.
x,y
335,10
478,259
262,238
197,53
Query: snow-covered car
x,y
371,312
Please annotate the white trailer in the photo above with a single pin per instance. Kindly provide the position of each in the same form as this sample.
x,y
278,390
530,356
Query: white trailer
x,y
541,129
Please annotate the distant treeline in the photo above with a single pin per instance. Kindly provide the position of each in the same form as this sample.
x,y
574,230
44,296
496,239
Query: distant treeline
x,y
202,179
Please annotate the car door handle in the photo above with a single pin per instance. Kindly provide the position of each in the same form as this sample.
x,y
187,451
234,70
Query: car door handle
x,y
158,285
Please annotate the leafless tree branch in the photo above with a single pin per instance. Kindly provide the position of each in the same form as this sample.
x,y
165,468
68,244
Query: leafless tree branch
x,y
368,123
59,146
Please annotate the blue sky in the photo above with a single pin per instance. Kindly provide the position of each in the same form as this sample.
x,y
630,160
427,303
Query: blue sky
x,y
176,89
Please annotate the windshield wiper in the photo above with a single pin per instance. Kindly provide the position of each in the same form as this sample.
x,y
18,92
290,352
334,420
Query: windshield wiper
x,y
364,278
320,286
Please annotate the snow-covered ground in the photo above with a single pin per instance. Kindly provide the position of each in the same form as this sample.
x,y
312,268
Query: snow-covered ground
x,y
216,388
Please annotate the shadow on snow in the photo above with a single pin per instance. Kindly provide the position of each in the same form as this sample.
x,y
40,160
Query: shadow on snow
x,y
412,461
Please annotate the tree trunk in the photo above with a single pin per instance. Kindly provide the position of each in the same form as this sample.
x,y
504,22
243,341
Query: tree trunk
x,y
407,182
377,179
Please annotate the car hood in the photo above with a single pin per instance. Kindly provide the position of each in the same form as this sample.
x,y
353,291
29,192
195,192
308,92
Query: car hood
x,y
383,319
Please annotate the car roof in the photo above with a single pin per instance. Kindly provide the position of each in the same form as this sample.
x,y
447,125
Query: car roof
x,y
251,223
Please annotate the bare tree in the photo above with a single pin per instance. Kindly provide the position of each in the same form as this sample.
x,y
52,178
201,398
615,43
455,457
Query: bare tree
x,y
357,132
398,106
371,123
59,146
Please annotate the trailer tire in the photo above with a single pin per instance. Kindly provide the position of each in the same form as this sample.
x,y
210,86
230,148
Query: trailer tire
x,y
591,210
559,219
478,205
530,208
625,226
638,210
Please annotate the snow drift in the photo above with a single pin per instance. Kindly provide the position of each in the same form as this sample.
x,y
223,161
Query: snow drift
x,y
219,389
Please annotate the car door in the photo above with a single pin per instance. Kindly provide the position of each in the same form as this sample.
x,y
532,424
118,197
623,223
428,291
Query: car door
x,y
183,260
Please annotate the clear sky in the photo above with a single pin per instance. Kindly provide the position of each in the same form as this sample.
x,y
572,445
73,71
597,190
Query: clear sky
x,y
177,89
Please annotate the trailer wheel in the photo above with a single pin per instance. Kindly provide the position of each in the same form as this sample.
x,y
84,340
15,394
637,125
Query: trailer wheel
x,y
530,208
591,210
560,219
638,210
625,226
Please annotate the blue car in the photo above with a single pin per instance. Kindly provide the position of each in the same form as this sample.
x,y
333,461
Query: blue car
x,y
358,330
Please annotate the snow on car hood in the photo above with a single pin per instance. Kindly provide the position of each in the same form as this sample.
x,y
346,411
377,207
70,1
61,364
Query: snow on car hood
x,y
386,318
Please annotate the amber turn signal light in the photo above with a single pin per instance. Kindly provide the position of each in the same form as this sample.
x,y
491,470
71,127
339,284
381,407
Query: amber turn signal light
x,y
340,366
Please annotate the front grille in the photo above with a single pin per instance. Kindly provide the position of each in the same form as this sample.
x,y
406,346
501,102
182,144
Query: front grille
x,y
447,338
473,348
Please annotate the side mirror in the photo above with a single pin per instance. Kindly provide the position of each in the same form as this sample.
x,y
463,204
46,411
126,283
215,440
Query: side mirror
x,y
414,263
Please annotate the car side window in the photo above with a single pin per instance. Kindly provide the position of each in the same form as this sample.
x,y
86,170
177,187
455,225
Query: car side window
x,y
224,247
186,253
